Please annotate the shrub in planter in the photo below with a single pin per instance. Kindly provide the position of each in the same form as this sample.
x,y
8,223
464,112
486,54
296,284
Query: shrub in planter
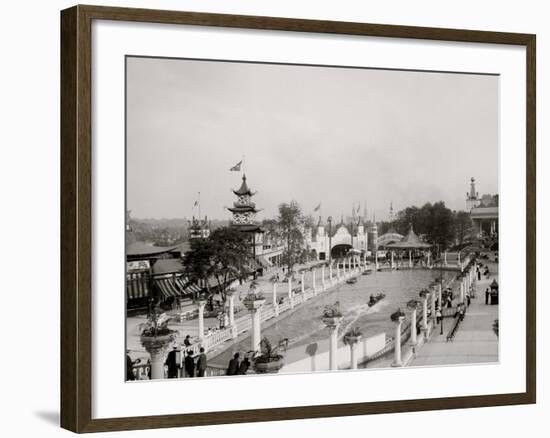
x,y
270,359
352,336
395,316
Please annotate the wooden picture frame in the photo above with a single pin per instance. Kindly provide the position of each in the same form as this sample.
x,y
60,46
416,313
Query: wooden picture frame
x,y
76,217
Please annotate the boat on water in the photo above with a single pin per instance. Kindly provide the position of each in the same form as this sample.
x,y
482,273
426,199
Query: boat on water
x,y
373,299
351,280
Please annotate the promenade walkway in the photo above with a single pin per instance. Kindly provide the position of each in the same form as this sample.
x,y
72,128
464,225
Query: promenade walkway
x,y
474,342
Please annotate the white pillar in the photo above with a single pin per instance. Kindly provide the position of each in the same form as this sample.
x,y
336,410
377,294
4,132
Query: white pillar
x,y
375,260
445,258
303,285
391,259
323,277
275,301
462,290
353,355
440,295
290,297
413,327
201,320
314,286
397,362
330,273
458,264
429,259
256,335
333,346
157,363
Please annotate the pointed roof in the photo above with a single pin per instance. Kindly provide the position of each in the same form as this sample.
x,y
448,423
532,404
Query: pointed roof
x,y
243,190
410,241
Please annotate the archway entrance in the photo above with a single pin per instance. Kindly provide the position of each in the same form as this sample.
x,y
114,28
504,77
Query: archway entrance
x,y
339,251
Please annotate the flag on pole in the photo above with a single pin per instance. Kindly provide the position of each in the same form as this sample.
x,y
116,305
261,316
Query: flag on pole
x,y
196,203
236,167
318,207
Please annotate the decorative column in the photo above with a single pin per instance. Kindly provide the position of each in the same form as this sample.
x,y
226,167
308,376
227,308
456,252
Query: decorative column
x,y
413,306
254,305
330,273
410,259
332,324
461,289
201,304
445,258
290,295
429,260
156,346
275,301
397,317
352,341
314,286
440,295
323,283
375,260
344,268
303,283
391,259
424,297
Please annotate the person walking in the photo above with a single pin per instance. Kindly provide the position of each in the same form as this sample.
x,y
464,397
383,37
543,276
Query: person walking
x,y
438,315
190,364
487,293
201,363
233,367
172,363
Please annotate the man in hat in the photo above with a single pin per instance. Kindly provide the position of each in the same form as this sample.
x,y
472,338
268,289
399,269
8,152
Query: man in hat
x,y
190,364
201,363
172,363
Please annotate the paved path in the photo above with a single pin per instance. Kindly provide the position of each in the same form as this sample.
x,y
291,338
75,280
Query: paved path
x,y
474,342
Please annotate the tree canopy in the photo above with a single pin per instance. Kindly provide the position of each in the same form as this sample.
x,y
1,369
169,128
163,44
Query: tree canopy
x,y
436,223
225,256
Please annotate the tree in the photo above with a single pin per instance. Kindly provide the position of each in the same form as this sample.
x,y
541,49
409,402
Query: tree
x,y
224,257
290,225
463,226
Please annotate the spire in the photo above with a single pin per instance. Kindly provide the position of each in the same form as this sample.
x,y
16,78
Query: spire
x,y
473,194
243,190
391,211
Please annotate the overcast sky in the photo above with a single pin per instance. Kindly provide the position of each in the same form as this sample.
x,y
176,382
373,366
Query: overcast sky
x,y
312,134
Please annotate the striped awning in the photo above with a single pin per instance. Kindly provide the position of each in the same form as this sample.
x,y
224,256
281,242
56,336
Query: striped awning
x,y
175,286
137,285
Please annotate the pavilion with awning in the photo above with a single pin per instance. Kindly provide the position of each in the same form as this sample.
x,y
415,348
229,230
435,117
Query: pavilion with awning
x,y
410,242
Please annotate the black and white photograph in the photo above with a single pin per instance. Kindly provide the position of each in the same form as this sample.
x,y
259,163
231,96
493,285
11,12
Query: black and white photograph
x,y
303,218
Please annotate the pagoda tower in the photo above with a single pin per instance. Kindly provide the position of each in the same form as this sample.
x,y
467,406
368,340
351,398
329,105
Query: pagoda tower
x,y
244,216
472,197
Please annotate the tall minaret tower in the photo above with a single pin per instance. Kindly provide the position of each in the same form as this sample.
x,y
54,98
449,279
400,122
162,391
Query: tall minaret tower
x,y
472,197
392,218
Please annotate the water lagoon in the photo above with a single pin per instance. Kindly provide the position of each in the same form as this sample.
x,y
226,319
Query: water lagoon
x,y
304,325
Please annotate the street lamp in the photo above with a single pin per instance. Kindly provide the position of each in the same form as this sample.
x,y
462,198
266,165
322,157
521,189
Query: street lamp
x,y
329,220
